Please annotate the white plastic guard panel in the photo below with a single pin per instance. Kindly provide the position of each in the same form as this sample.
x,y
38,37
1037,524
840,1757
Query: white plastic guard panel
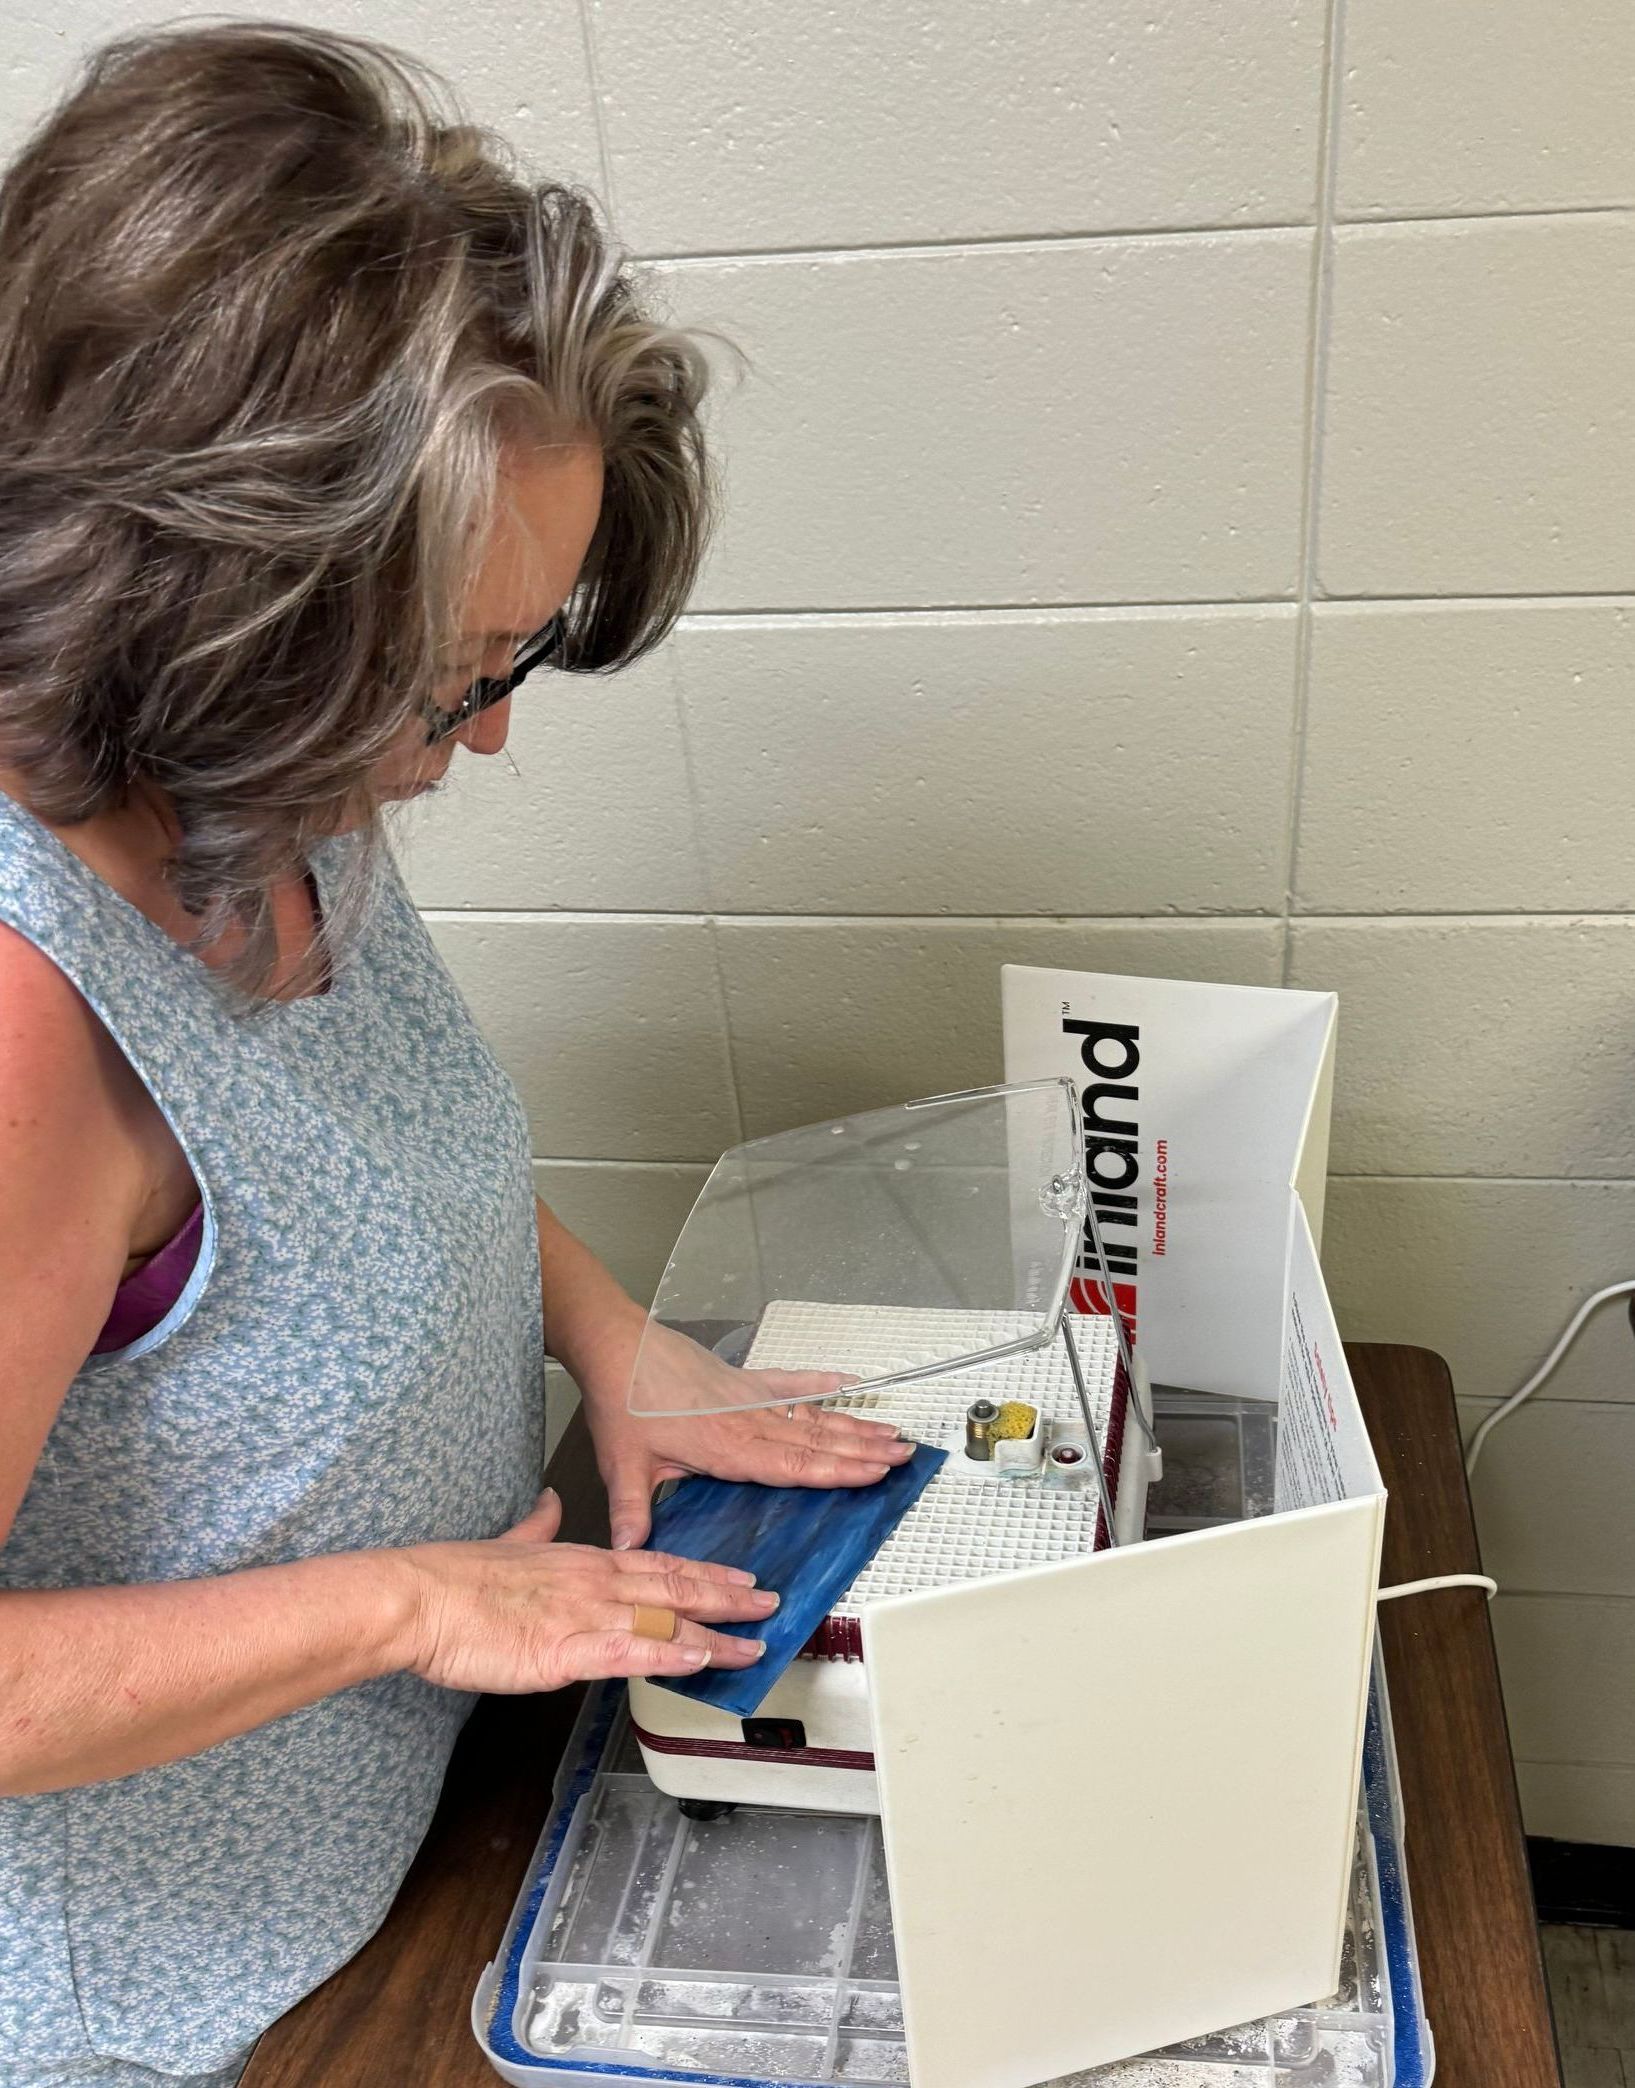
x,y
969,1524
1116,1792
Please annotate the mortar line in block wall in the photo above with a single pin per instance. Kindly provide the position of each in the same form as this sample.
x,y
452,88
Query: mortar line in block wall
x,y
729,1044
1563,1595
1318,315
1356,221
1557,1762
1479,1406
1153,608
839,612
617,917
1213,228
1588,917
706,884
1375,917
974,243
1534,600
670,662
593,75
1551,1181
562,916
486,916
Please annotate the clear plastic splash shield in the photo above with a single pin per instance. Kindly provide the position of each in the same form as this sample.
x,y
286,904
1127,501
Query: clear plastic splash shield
x,y
960,1204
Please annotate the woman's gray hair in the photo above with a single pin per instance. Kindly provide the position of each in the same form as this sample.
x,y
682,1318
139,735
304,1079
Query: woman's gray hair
x,y
268,310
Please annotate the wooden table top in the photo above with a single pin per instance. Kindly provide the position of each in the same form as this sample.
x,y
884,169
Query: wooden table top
x,y
398,2015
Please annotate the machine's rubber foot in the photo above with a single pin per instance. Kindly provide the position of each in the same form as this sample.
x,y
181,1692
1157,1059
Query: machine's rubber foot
x,y
705,1808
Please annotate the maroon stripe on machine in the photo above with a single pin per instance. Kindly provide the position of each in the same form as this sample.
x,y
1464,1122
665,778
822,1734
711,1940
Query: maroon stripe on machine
x,y
836,1638
1113,1451
735,1751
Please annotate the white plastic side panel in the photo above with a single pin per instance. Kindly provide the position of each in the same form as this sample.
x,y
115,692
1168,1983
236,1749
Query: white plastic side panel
x,y
1118,1794
1311,1170
1323,1451
1200,1104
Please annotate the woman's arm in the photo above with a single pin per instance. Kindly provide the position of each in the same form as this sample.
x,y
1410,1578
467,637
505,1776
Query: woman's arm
x,y
593,1326
98,1682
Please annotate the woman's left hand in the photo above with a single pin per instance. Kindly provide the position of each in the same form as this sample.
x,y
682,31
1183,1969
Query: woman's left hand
x,y
786,1444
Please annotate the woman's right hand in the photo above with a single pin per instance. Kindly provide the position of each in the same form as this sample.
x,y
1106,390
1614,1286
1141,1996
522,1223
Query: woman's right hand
x,y
521,1612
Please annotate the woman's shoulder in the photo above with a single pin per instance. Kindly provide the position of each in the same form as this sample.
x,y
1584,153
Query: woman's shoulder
x,y
46,1015
73,1181
64,1084
69,1103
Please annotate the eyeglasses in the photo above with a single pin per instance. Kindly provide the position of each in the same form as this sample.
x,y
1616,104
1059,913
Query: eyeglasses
x,y
543,649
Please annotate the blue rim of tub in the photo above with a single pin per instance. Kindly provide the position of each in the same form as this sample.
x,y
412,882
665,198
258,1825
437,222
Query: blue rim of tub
x,y
1404,2009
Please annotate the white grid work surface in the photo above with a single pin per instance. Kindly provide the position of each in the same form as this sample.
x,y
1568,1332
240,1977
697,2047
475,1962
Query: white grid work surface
x,y
968,1524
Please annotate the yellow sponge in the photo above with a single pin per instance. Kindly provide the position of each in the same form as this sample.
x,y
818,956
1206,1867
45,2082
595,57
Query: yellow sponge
x,y
1016,1421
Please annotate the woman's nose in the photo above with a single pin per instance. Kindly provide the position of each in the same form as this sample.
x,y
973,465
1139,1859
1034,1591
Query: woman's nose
x,y
486,732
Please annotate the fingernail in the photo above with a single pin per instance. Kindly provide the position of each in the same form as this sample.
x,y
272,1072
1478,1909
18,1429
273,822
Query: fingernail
x,y
742,1579
754,1646
878,1471
901,1452
623,1543
695,1656
766,1601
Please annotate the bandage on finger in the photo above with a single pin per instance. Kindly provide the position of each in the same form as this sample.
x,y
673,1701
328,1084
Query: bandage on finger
x,y
654,1623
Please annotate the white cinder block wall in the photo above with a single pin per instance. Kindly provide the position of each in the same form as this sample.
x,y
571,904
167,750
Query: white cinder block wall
x,y
1182,519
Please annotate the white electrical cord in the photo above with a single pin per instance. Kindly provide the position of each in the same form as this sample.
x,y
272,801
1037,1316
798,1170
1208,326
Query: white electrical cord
x,y
1446,1580
1613,1290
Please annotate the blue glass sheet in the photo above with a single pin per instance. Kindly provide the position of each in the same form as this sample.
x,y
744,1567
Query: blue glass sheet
x,y
808,1542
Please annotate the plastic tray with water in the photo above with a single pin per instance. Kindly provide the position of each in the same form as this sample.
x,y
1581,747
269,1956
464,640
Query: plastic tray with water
x,y
758,1948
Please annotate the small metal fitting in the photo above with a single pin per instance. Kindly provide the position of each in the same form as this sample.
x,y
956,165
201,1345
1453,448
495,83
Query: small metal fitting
x,y
980,1419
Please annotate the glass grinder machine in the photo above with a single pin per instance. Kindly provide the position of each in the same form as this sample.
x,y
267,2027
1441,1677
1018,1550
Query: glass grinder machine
x,y
1054,1781
924,1251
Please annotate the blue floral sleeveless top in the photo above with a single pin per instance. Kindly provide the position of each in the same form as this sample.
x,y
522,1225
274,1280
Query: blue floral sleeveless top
x,y
357,1360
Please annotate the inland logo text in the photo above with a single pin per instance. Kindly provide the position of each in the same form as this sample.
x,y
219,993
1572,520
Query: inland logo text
x,y
1111,1052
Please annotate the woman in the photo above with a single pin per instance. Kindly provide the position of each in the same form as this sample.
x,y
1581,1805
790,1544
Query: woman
x,y
316,424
